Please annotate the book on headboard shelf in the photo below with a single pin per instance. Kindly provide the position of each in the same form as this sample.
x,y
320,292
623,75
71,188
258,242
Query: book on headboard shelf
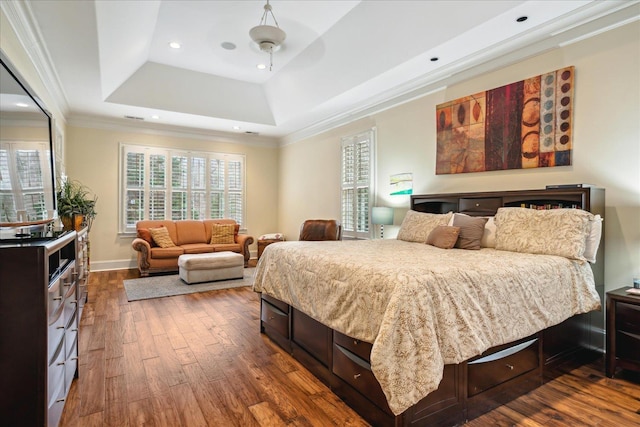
x,y
558,186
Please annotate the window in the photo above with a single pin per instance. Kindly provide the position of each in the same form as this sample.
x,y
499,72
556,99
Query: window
x,y
357,183
23,188
165,183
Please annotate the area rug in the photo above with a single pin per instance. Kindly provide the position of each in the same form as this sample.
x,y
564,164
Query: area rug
x,y
169,285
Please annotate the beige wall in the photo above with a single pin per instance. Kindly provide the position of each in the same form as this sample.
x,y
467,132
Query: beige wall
x,y
92,158
606,147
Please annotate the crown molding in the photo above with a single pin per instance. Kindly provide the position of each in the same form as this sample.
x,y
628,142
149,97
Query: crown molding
x,y
122,125
20,16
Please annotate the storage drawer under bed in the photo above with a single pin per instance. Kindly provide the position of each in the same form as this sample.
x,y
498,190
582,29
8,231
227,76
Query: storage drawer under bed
x,y
503,364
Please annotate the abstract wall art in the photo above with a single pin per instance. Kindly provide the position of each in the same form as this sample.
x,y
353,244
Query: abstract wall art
x,y
527,124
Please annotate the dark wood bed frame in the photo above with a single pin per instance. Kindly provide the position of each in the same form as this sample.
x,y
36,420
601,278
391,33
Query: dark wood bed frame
x,y
468,389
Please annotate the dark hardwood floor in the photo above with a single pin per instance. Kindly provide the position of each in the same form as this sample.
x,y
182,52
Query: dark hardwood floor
x,y
200,360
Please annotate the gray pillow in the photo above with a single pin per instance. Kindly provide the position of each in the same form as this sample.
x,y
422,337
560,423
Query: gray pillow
x,y
471,231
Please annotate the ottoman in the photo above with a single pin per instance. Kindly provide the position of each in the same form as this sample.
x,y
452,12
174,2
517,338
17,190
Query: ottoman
x,y
198,268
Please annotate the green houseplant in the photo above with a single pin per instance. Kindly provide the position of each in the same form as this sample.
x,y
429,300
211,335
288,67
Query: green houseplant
x,y
76,204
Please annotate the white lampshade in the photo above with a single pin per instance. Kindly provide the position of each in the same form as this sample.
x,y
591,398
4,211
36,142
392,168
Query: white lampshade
x,y
382,215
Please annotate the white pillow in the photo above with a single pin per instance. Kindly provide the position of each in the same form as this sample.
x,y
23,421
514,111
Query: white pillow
x,y
489,236
417,226
561,232
593,239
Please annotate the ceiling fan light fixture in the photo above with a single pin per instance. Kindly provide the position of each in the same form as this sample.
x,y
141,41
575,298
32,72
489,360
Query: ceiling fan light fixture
x,y
268,37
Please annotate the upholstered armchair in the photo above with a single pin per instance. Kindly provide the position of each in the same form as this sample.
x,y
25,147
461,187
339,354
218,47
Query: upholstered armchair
x,y
321,229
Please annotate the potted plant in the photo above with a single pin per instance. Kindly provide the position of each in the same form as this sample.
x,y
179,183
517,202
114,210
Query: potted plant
x,y
76,204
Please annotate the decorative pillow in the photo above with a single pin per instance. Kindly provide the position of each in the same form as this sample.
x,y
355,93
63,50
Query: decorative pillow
x,y
560,232
145,234
222,234
161,236
443,236
416,226
489,235
593,240
471,231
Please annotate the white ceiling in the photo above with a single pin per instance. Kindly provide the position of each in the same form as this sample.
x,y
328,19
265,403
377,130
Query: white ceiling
x,y
340,59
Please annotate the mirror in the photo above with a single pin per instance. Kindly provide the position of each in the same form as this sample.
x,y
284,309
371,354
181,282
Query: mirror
x,y
27,176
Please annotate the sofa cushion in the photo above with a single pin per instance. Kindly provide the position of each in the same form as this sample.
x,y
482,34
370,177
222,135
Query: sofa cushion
x,y
234,247
162,253
161,236
222,234
209,223
197,248
190,231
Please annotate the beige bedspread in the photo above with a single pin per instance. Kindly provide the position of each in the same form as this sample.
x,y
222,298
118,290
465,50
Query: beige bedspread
x,y
424,307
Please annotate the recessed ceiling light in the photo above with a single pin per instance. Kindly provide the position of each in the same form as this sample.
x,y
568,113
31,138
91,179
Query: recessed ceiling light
x,y
522,19
228,45
175,45
155,117
236,128
22,104
261,66
434,59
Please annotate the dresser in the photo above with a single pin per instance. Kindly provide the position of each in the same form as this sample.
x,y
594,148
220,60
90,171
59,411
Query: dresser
x,y
39,333
623,331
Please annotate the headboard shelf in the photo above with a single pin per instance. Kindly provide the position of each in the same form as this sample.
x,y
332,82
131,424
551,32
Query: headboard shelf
x,y
486,203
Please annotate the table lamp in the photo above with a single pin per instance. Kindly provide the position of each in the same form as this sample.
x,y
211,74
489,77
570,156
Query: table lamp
x,y
381,216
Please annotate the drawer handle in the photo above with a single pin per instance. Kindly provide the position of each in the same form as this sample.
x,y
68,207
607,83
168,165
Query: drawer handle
x,y
60,327
271,317
510,366
356,376
60,363
60,400
74,358
355,342
74,330
57,299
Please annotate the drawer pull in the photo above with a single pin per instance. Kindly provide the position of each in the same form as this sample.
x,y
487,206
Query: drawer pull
x,y
57,299
355,342
60,327
74,358
60,363
510,366
60,400
271,317
356,376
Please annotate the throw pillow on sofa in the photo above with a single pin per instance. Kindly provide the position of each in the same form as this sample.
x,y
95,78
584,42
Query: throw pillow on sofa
x,y
161,237
222,234
145,235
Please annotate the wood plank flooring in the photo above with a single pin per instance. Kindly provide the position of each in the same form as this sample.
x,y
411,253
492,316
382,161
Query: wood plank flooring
x,y
199,360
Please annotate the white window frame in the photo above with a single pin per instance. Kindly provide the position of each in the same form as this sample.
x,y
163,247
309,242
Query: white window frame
x,y
366,137
169,153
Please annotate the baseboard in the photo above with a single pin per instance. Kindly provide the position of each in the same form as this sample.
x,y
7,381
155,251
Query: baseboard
x,y
120,264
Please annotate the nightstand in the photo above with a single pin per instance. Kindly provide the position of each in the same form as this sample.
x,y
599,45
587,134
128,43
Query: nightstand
x,y
623,331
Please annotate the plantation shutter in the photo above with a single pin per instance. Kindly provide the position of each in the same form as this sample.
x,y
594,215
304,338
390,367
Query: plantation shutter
x,y
357,184
160,183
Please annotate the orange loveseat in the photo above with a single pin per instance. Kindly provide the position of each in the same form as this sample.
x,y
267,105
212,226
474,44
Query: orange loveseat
x,y
189,236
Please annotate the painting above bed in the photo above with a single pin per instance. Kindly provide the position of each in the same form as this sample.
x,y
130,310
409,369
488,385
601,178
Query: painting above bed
x,y
527,124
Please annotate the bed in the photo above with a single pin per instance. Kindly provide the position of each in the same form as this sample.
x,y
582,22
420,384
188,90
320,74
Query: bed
x,y
409,333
